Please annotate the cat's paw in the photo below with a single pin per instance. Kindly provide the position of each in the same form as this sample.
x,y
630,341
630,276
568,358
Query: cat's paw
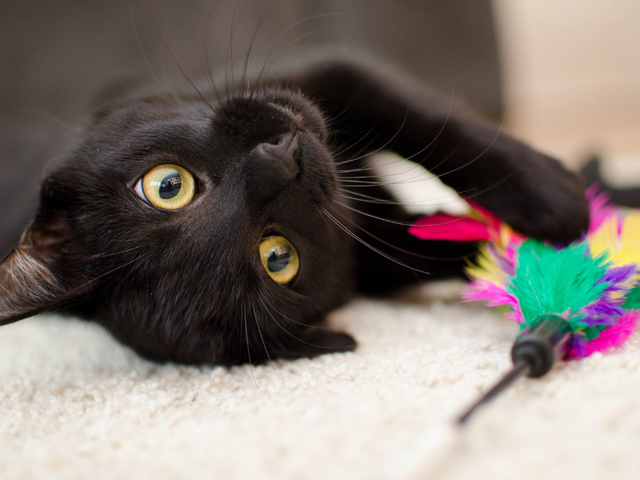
x,y
544,201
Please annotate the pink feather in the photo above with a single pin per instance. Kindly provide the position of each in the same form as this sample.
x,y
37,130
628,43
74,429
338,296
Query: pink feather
x,y
446,227
613,336
458,229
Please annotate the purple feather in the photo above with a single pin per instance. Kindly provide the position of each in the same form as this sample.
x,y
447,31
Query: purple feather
x,y
618,275
600,313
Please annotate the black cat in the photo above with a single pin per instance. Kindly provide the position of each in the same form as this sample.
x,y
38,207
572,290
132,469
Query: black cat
x,y
222,228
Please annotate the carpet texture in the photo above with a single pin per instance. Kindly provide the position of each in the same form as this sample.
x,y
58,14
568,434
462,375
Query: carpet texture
x,y
74,404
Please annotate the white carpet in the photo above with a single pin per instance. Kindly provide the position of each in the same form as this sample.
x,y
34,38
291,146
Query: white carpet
x,y
74,404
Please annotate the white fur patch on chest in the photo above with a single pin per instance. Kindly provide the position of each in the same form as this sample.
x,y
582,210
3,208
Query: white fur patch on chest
x,y
418,190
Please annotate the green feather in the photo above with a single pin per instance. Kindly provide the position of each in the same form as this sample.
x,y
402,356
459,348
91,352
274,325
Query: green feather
x,y
557,281
632,299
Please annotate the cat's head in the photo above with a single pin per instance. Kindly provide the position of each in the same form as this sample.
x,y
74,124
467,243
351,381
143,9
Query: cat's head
x,y
194,230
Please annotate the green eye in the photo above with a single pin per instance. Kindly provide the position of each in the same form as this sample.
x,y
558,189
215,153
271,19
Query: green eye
x,y
167,186
279,259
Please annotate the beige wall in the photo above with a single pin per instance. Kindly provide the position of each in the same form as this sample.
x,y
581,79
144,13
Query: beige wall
x,y
572,75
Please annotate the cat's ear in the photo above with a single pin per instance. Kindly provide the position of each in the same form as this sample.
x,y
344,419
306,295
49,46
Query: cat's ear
x,y
39,274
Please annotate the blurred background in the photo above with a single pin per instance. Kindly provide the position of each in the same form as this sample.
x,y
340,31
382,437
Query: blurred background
x,y
564,76
571,78
61,58
58,57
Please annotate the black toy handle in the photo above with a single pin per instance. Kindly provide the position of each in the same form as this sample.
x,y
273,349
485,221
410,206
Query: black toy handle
x,y
543,344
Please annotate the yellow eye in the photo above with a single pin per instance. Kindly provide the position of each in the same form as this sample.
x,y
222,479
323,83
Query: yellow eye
x,y
167,186
279,259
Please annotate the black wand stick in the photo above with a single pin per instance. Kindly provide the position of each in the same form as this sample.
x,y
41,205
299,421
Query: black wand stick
x,y
534,353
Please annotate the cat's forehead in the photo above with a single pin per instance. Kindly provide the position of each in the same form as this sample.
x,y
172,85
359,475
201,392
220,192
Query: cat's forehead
x,y
271,107
199,126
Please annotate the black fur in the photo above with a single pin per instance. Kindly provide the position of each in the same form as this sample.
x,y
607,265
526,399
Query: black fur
x,y
188,285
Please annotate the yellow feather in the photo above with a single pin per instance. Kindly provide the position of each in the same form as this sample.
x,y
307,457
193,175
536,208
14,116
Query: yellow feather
x,y
486,268
617,238
623,248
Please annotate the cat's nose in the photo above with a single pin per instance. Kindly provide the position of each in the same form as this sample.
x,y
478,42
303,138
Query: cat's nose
x,y
271,167
284,148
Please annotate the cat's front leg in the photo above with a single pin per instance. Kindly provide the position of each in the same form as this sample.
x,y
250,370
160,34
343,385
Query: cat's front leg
x,y
529,190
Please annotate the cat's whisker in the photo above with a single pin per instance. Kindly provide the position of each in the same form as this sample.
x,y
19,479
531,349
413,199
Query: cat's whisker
x,y
354,182
490,187
388,220
437,136
361,197
382,219
359,153
360,138
144,54
375,164
81,287
270,41
268,63
245,70
371,247
364,183
408,252
331,120
465,194
115,269
495,138
165,76
266,350
362,179
291,51
285,50
246,331
121,252
373,200
264,299
410,157
51,118
229,60
381,148
401,159
175,60
204,61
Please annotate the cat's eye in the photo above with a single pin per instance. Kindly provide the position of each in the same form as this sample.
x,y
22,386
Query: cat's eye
x,y
167,186
279,259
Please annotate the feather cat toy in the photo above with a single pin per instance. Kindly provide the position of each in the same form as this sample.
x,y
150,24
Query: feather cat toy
x,y
570,302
